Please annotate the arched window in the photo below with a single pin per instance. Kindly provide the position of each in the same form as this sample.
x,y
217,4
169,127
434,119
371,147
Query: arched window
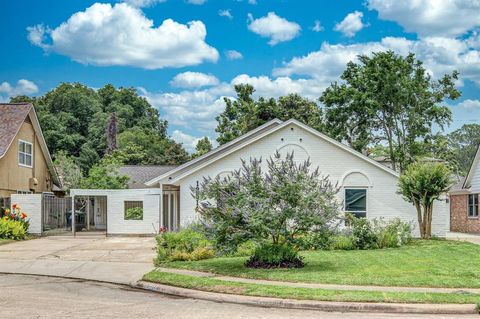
x,y
355,186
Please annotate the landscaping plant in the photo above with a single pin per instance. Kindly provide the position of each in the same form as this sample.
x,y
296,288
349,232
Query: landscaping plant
x,y
421,184
288,201
13,223
186,244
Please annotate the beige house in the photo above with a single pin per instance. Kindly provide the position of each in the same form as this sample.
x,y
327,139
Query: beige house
x,y
25,162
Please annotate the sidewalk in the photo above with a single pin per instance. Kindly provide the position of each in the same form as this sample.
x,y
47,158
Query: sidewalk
x,y
319,286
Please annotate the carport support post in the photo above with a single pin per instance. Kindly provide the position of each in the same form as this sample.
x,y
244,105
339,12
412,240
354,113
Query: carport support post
x,y
88,212
72,215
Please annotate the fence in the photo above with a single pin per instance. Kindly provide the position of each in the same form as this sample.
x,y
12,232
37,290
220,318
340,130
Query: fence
x,y
54,211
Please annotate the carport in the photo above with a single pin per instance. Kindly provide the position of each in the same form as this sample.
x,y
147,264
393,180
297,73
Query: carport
x,y
120,211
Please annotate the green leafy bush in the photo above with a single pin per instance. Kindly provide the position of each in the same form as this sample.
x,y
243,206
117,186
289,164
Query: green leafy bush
x,y
245,249
363,233
275,256
395,233
342,242
186,244
134,213
12,229
315,240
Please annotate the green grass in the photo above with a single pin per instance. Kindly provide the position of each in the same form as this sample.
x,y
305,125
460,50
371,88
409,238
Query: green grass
x,y
215,285
435,263
5,241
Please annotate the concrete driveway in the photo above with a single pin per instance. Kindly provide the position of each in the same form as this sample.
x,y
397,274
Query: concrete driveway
x,y
113,259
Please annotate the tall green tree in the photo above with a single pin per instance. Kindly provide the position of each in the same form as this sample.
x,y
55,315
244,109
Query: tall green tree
x,y
75,118
388,98
203,146
245,113
464,143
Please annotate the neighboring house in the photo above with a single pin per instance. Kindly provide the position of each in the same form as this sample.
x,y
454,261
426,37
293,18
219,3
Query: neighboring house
x,y
25,162
140,174
464,200
367,188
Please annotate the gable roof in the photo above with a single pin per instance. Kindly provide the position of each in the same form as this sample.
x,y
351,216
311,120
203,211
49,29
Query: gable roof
x,y
12,116
476,159
266,129
140,174
219,150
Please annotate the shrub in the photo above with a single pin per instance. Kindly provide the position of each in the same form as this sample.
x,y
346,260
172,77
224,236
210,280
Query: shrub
x,y
315,240
363,234
12,229
245,249
395,233
16,214
275,256
183,245
342,242
134,213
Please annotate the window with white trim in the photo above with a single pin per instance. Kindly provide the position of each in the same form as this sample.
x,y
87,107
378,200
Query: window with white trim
x,y
356,201
25,153
473,205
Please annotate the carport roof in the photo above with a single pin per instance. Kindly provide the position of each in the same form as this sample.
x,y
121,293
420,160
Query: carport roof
x,y
140,174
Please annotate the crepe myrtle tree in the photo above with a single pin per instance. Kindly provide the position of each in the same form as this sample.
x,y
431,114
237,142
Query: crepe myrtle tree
x,y
421,184
290,199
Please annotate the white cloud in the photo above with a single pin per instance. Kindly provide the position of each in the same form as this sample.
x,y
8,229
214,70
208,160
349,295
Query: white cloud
x,y
440,56
23,87
188,141
143,3
267,87
193,80
233,55
274,27
351,24
122,35
430,17
225,13
197,2
317,26
469,104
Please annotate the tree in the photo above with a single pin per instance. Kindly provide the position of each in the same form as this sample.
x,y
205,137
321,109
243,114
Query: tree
x,y
391,99
421,184
75,118
68,170
203,146
245,114
463,143
289,200
105,175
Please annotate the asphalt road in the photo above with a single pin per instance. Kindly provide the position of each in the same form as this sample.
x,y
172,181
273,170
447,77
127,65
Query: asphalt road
x,y
48,297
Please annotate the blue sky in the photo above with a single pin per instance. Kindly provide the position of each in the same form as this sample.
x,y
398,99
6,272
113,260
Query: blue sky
x,y
185,55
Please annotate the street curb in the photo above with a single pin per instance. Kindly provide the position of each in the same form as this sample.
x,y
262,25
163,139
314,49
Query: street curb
x,y
331,306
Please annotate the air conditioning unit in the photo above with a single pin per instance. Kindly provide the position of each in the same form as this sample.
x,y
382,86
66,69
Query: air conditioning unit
x,y
32,183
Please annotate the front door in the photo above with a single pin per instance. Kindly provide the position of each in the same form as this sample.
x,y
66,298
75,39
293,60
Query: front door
x,y
100,211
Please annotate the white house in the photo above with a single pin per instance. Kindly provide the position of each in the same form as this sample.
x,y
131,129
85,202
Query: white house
x,y
368,188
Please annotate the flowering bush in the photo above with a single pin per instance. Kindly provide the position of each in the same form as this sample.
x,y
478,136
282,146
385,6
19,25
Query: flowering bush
x,y
16,214
13,223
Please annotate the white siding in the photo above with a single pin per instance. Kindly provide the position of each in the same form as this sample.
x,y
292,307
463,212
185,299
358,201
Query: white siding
x,y
475,180
116,223
383,201
31,204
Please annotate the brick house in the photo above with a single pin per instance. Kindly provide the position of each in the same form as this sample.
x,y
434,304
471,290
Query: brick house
x,y
464,210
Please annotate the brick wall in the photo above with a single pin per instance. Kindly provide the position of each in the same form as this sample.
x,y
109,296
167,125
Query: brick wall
x,y
459,221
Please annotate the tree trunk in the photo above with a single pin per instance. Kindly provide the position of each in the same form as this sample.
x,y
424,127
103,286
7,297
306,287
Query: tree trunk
x,y
421,224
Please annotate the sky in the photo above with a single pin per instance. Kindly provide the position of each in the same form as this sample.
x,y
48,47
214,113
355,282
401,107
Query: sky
x,y
184,56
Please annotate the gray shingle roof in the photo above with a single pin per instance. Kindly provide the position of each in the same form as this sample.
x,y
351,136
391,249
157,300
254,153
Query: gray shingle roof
x,y
139,174
12,116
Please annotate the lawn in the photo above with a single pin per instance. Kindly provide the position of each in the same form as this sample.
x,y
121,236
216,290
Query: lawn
x,y
435,263
215,285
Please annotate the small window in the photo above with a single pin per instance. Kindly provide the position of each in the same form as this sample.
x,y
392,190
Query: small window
x,y
473,205
24,192
25,154
356,202
133,210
